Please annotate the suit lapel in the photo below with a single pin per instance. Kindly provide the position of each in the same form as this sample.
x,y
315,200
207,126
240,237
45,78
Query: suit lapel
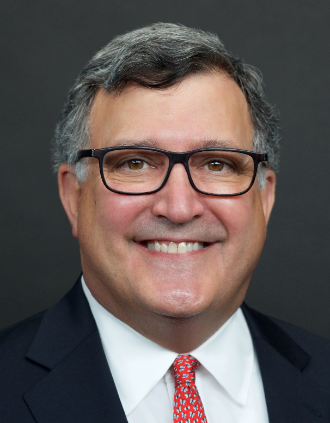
x,y
291,396
79,385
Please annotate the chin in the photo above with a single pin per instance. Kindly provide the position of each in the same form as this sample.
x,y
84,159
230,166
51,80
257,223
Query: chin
x,y
180,305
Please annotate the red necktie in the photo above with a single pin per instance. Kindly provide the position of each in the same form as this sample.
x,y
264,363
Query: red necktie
x,y
188,407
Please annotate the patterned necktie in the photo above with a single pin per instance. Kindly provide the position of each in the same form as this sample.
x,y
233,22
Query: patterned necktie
x,y
188,407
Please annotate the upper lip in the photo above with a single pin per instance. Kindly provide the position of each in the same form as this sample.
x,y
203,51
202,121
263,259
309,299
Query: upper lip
x,y
208,234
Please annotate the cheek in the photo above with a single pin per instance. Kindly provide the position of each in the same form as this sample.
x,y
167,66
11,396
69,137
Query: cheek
x,y
104,226
235,213
244,221
117,213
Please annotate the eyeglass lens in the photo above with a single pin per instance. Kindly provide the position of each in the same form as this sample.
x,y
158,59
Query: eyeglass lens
x,y
213,172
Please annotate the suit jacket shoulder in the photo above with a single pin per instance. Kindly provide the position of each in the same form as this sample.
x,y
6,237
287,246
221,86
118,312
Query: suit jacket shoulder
x,y
15,375
53,368
306,350
295,369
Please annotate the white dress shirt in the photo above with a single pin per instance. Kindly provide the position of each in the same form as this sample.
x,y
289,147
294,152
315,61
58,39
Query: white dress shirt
x,y
228,380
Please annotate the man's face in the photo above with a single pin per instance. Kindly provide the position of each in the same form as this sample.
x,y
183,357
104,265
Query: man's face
x,y
114,229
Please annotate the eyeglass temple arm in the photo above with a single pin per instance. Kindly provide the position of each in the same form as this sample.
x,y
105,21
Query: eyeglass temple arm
x,y
261,158
84,153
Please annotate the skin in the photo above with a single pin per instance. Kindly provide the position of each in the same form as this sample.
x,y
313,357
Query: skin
x,y
177,301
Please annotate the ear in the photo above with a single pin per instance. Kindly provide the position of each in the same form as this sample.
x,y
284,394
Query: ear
x,y
268,194
69,190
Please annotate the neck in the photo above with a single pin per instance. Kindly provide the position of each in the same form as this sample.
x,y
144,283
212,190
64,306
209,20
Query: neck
x,y
179,334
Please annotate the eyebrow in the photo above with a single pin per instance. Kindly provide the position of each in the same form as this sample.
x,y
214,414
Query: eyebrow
x,y
143,143
217,144
196,145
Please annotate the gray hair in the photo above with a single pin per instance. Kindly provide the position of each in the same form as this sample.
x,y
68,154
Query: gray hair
x,y
160,56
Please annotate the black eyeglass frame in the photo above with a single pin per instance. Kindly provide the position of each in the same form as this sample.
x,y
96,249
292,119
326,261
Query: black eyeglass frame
x,y
174,158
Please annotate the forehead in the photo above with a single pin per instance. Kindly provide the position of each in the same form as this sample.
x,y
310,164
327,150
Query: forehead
x,y
202,111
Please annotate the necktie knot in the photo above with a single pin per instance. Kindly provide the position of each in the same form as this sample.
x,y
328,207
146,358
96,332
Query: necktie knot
x,y
184,367
187,406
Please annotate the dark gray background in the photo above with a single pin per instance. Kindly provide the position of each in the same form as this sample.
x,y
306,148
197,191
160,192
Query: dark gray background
x,y
44,44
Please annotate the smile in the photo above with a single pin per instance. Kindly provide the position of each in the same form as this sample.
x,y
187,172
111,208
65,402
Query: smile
x,y
174,247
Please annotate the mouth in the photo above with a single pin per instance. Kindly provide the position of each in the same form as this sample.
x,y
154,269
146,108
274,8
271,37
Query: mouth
x,y
171,247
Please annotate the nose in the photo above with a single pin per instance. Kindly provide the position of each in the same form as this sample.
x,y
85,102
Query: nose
x,y
177,200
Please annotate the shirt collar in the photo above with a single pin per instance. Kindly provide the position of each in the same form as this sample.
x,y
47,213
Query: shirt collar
x,y
229,356
137,364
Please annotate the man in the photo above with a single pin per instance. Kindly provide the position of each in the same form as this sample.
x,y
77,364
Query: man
x,y
165,153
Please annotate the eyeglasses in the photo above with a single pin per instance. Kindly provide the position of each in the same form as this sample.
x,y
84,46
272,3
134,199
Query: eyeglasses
x,y
222,172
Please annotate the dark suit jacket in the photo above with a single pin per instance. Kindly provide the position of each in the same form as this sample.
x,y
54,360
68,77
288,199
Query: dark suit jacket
x,y
53,369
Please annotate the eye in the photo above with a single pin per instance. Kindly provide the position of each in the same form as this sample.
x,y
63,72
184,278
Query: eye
x,y
215,166
136,164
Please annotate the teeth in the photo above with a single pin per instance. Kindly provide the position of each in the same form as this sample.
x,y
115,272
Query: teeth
x,y
163,248
174,248
182,248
